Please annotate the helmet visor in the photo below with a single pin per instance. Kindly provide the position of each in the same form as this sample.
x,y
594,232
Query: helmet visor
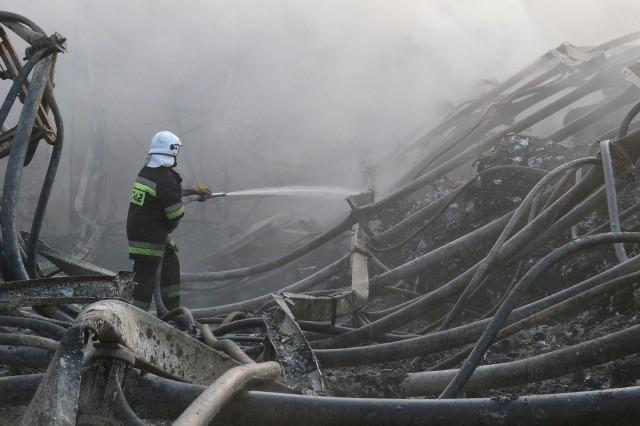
x,y
175,148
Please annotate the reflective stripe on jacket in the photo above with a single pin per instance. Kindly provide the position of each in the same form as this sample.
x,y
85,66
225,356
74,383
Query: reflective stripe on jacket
x,y
155,209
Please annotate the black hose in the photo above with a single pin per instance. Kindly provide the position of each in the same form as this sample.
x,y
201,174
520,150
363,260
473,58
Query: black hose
x,y
121,411
41,327
180,310
442,202
157,294
17,391
508,305
25,357
490,260
17,85
45,192
570,304
461,335
532,369
269,408
588,87
313,326
13,174
507,251
273,263
239,325
257,302
9,16
624,126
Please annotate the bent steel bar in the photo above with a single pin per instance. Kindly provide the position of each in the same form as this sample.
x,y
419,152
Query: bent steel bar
x,y
209,403
48,291
158,347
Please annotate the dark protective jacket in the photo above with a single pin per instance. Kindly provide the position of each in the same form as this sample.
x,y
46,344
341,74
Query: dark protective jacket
x,y
154,211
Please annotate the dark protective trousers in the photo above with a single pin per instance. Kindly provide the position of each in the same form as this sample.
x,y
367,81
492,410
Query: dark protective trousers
x,y
169,283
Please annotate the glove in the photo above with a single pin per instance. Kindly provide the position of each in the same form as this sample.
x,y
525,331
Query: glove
x,y
202,190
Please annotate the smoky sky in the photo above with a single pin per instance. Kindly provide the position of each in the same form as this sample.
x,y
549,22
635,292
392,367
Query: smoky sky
x,y
287,92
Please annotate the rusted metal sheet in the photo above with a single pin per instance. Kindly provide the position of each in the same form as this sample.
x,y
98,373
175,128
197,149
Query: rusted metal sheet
x,y
64,290
158,346
69,264
292,351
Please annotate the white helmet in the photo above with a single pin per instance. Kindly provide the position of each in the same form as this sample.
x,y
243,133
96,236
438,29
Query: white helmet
x,y
165,143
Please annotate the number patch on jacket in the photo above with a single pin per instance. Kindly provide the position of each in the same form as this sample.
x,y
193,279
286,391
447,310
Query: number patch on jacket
x,y
137,197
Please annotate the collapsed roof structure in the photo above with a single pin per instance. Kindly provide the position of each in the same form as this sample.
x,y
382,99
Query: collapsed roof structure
x,y
437,276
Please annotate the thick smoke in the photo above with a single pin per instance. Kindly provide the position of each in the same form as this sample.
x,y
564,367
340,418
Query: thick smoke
x,y
283,92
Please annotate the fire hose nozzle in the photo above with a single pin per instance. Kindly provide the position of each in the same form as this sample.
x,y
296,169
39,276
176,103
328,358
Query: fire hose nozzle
x,y
218,194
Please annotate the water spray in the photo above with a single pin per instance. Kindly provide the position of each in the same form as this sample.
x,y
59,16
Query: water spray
x,y
306,191
291,191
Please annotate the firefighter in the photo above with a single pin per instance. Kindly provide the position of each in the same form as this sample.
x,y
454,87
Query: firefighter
x,y
155,210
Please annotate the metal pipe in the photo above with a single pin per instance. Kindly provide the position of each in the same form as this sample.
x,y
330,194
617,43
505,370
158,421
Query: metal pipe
x,y
588,87
208,404
625,98
612,199
25,357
